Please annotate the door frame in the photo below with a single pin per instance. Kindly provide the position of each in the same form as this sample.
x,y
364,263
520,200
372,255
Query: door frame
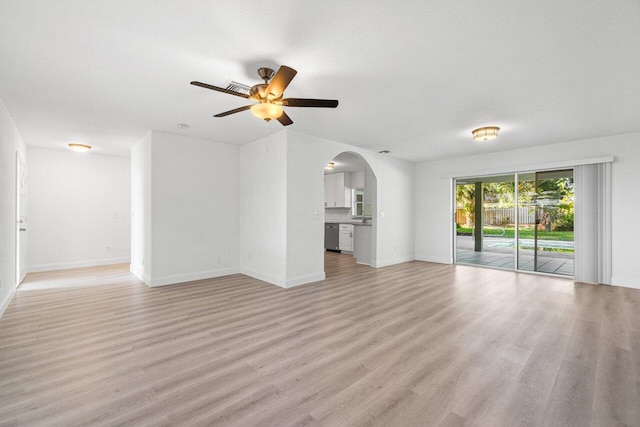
x,y
21,226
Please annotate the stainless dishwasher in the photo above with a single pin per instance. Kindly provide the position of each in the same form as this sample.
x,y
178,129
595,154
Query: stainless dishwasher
x,y
332,237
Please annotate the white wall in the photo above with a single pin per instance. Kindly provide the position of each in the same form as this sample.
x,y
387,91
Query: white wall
x,y
78,210
264,200
141,209
282,207
185,209
433,194
10,144
263,209
393,220
194,203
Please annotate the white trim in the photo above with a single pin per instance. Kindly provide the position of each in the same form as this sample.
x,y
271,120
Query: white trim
x,y
78,264
307,278
436,259
190,277
139,272
393,261
625,283
7,300
265,278
562,164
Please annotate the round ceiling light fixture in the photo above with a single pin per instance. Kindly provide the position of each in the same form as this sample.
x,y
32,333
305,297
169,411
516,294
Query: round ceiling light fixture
x,y
486,133
80,148
267,110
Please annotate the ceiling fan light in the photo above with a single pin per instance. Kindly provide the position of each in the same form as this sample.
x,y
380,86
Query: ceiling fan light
x,y
266,110
486,133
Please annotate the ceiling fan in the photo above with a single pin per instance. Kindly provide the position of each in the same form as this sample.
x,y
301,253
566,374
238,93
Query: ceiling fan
x,y
269,96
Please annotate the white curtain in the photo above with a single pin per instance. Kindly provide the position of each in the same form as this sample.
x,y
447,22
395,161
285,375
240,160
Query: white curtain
x,y
592,223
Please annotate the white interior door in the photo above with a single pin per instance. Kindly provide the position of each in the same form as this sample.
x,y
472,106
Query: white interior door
x,y
21,219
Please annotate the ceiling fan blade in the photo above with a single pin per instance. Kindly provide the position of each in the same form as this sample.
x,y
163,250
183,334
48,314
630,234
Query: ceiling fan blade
x,y
280,81
237,110
284,119
220,89
305,102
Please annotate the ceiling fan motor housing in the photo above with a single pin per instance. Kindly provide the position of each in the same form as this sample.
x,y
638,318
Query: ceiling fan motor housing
x,y
265,73
259,91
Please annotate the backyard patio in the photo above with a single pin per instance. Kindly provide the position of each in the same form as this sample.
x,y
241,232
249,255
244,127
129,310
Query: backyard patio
x,y
499,252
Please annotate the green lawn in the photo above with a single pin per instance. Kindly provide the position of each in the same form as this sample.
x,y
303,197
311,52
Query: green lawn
x,y
525,233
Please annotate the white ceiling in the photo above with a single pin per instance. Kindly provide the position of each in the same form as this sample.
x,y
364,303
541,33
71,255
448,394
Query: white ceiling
x,y
413,77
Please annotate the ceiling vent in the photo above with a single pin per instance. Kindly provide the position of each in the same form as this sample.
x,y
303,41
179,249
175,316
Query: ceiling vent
x,y
237,87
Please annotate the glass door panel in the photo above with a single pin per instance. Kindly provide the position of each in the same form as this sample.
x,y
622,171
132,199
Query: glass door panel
x,y
527,214
554,231
485,217
498,219
545,222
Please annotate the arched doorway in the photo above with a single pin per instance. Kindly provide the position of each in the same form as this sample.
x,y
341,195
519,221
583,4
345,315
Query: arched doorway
x,y
350,189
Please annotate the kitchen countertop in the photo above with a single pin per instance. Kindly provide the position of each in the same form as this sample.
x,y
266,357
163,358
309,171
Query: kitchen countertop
x,y
354,222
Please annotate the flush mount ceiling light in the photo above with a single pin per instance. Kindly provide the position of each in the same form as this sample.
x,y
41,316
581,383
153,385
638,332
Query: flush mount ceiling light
x,y
80,148
485,133
267,110
330,165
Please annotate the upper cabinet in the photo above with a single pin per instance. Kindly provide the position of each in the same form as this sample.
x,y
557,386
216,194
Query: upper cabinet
x,y
337,190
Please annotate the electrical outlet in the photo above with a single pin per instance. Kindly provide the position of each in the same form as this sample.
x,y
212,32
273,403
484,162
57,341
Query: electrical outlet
x,y
108,249
219,259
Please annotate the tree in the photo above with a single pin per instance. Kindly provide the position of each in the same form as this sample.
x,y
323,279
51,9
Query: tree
x,y
554,198
466,200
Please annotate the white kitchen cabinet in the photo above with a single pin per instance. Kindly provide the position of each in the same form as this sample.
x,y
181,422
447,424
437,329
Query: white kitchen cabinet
x,y
346,237
329,190
337,191
362,244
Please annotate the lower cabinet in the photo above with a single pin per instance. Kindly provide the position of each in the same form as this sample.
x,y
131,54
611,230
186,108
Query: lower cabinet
x,y
346,237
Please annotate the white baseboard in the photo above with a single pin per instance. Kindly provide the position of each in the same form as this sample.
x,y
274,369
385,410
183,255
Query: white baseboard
x,y
78,264
625,283
6,301
140,273
189,277
436,259
393,261
307,278
264,277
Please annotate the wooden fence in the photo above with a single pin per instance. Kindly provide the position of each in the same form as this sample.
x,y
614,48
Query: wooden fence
x,y
500,216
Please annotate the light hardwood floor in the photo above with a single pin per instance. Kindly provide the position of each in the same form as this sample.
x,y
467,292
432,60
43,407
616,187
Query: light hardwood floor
x,y
415,344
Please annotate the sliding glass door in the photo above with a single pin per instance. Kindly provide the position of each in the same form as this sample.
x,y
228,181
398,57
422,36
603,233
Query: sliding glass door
x,y
545,222
520,221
